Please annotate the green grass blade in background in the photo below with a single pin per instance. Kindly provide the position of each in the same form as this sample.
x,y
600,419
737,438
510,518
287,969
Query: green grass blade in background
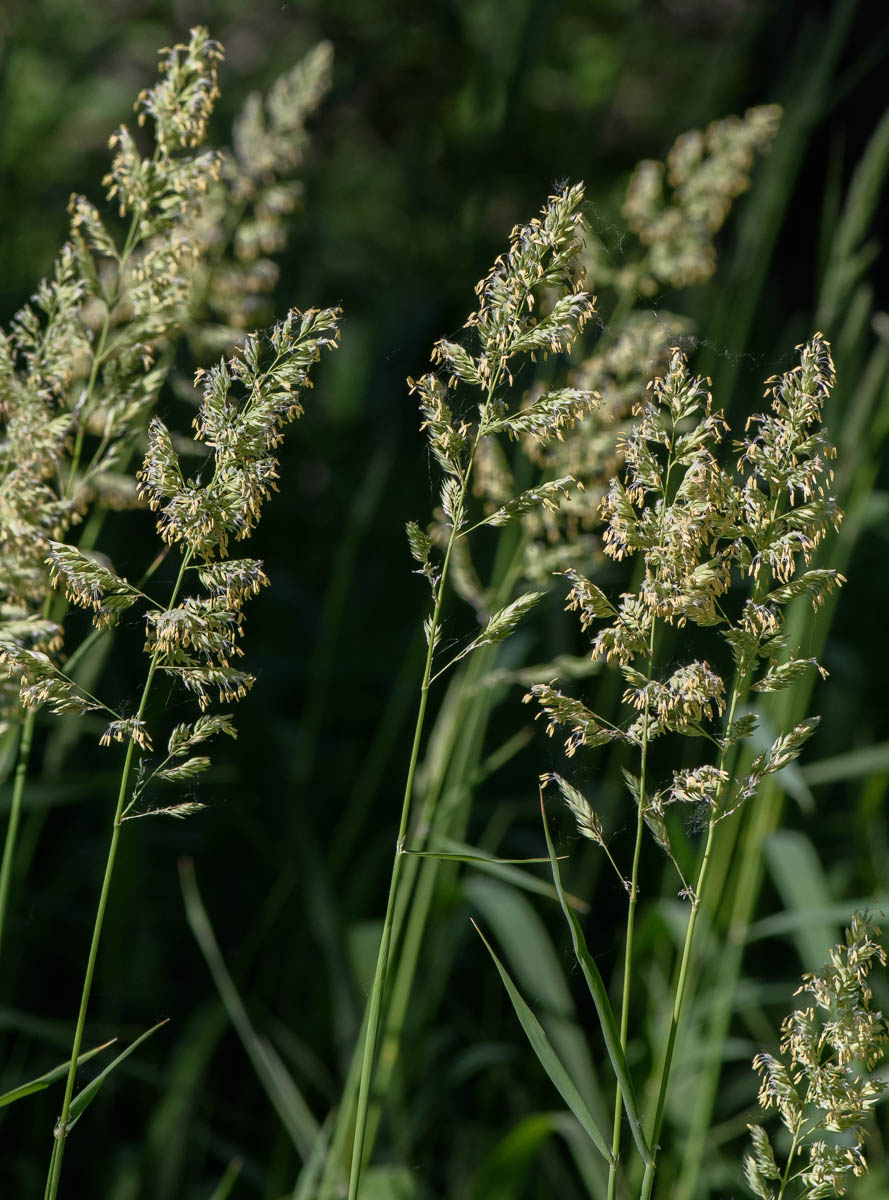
x,y
534,962
509,1165
853,765
228,1180
501,868
849,254
514,1161
279,1085
807,78
309,1179
799,877
171,1129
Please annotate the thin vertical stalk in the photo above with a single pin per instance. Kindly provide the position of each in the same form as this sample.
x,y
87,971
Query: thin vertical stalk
x,y
628,947
419,879
381,972
765,808
61,1130
379,983
15,814
634,877
682,982
739,682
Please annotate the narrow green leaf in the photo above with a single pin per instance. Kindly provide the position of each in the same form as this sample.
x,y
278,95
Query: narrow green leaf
x,y
86,1095
279,1085
547,1057
390,1183
502,868
509,1166
799,877
227,1182
309,1180
539,969
603,1005
471,858
864,760
513,1161
43,1081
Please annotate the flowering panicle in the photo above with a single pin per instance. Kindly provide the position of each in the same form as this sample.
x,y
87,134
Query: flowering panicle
x,y
544,253
530,303
675,227
242,221
269,372
89,583
38,681
700,530
704,173
195,638
589,453
182,102
77,367
586,729
817,1084
787,508
585,816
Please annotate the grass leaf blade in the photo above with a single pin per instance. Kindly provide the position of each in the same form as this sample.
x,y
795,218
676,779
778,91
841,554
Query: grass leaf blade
x,y
86,1095
547,1057
282,1091
43,1081
603,1005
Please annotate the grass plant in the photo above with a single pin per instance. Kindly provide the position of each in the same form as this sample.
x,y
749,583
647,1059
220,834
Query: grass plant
x,y
542,255
675,227
192,638
82,366
105,329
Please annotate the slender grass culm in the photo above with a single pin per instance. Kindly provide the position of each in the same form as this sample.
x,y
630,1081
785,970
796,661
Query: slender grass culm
x,y
543,257
720,550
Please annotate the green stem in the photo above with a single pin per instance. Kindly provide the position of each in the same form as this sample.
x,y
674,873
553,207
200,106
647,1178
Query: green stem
x,y
61,1130
446,797
628,948
15,814
682,982
625,1004
443,806
634,877
375,1008
786,1177
379,983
